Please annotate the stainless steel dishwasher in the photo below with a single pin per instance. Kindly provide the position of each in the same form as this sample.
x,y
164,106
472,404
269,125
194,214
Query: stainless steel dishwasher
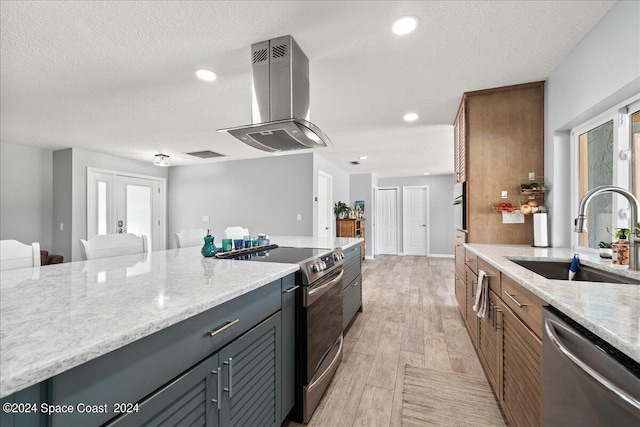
x,y
585,381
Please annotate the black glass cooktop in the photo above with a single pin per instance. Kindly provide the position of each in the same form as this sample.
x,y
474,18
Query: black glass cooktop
x,y
284,255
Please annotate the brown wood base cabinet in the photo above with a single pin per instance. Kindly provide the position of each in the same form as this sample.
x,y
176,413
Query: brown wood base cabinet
x,y
507,341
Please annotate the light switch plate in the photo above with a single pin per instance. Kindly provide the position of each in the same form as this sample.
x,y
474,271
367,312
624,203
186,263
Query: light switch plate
x,y
504,194
532,176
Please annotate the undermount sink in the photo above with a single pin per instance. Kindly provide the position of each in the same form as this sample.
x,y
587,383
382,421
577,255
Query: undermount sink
x,y
559,270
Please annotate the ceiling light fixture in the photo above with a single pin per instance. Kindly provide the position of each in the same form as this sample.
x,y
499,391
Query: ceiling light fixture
x,y
161,160
405,25
206,75
363,157
410,117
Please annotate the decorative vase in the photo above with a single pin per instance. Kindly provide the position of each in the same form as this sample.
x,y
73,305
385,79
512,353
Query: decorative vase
x,y
341,215
209,249
621,252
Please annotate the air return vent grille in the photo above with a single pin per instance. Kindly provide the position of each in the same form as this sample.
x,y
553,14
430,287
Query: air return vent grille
x,y
260,56
279,51
207,154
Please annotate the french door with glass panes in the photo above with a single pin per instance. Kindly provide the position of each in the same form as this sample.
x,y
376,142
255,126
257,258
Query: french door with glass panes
x,y
121,203
606,151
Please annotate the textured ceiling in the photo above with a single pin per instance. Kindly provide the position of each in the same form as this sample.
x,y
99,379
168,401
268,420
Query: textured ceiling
x,y
117,77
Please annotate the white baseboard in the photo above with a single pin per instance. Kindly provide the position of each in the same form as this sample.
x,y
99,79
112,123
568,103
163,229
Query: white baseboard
x,y
441,256
369,257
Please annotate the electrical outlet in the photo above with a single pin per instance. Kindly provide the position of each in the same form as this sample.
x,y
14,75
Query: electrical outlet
x,y
532,176
504,194
61,226
299,217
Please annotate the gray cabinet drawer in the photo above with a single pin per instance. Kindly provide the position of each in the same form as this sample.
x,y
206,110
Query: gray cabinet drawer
x,y
132,372
351,301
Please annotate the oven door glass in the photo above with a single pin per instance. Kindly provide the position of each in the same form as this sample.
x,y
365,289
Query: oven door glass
x,y
324,323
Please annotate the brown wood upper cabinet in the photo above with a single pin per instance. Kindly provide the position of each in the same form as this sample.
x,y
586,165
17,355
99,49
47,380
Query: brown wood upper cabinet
x,y
499,140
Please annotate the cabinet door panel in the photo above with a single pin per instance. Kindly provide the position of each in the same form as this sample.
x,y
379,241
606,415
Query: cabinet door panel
x,y
522,390
489,343
251,377
185,401
352,301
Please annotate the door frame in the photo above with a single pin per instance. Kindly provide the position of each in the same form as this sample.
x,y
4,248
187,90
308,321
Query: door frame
x,y
329,213
92,204
405,217
397,216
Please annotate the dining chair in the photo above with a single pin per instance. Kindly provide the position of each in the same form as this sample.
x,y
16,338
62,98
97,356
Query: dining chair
x,y
109,245
236,232
190,237
14,254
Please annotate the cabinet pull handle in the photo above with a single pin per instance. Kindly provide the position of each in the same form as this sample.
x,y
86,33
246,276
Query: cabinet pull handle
x,y
218,375
222,328
514,300
291,289
230,389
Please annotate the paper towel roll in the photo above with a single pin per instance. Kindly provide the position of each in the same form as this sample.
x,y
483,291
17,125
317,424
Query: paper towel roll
x,y
540,234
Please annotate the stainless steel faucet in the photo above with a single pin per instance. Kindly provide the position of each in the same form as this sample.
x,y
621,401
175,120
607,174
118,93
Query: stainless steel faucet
x,y
634,238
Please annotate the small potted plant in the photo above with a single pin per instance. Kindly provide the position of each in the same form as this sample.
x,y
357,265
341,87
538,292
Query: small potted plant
x,y
341,210
606,250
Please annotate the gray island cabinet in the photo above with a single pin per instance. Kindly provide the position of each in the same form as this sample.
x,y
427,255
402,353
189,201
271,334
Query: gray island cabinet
x,y
231,364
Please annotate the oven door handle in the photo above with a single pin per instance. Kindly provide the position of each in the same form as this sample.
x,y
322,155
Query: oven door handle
x,y
314,294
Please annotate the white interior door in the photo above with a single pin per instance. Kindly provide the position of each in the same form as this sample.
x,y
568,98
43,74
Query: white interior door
x,y
415,208
387,221
119,203
325,211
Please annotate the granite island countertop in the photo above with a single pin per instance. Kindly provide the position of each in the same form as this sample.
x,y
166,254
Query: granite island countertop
x,y
611,311
315,242
56,317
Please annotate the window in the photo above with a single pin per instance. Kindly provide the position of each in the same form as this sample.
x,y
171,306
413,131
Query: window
x,y
606,152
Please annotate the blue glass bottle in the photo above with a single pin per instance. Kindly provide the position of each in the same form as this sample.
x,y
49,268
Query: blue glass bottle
x,y
209,249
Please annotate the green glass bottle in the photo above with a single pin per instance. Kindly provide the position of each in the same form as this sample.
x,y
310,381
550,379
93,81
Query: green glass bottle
x,y
209,249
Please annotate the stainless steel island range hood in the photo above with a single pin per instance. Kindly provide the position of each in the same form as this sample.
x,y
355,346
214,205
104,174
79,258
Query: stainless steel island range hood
x,y
280,100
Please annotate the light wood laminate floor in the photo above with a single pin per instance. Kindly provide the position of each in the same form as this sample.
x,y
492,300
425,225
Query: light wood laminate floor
x,y
410,317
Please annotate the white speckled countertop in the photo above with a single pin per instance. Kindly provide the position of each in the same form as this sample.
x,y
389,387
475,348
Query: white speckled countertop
x,y
315,242
611,311
56,317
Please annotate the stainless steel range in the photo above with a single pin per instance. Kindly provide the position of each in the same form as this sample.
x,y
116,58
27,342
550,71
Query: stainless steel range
x,y
318,319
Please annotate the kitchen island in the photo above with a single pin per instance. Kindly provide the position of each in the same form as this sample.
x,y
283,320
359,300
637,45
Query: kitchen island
x,y
56,319
61,324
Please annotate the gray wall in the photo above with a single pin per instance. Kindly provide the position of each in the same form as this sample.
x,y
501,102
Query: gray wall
x,y
264,195
26,189
340,185
361,188
62,202
441,229
603,70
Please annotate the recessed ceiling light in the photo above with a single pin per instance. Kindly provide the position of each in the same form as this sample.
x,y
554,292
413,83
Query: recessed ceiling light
x,y
206,75
426,173
404,25
410,117
363,157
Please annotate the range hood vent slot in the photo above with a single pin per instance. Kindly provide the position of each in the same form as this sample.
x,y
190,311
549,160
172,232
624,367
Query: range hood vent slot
x,y
280,100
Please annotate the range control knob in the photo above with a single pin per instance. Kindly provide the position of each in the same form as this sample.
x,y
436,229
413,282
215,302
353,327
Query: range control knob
x,y
336,257
314,268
